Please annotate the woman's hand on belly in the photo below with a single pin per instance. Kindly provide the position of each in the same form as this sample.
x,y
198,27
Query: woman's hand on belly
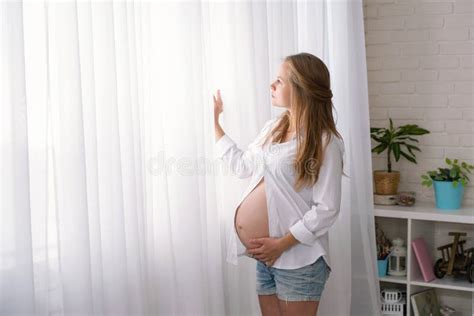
x,y
269,249
266,249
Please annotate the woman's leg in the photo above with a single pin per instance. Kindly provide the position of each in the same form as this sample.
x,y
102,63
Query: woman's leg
x,y
299,290
303,308
269,305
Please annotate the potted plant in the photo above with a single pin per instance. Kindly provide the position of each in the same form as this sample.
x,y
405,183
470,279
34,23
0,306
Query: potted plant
x,y
448,183
383,250
393,139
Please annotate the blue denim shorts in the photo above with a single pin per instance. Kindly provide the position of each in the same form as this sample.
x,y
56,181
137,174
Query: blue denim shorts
x,y
303,284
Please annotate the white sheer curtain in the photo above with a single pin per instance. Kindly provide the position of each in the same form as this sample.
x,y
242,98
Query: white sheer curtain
x,y
111,203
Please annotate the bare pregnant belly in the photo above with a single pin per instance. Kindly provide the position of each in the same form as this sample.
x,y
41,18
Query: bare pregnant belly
x,y
251,218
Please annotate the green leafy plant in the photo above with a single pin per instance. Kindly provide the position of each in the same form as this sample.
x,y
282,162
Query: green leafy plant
x,y
455,173
392,139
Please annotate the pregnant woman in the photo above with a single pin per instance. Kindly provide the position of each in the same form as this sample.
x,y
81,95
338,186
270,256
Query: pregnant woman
x,y
295,164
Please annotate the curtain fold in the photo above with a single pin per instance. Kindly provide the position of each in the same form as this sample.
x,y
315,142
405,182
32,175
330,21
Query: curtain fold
x,y
111,202
16,247
357,258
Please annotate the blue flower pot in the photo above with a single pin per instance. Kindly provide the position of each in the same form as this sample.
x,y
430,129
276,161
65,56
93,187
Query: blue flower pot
x,y
448,197
382,267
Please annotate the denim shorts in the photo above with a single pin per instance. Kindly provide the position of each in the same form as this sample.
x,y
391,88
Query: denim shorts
x,y
302,284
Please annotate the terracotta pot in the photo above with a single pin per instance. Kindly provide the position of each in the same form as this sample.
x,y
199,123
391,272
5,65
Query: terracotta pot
x,y
386,183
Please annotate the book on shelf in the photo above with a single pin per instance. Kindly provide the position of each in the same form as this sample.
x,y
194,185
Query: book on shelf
x,y
425,303
423,257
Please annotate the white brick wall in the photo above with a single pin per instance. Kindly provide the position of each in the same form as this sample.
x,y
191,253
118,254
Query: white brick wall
x,y
420,70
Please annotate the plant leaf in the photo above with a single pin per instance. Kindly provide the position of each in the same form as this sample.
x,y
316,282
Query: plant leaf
x,y
427,183
453,173
415,130
396,151
380,148
379,139
413,147
408,137
409,158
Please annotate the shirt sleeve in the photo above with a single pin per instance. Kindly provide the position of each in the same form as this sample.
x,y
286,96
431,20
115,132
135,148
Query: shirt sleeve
x,y
242,163
326,198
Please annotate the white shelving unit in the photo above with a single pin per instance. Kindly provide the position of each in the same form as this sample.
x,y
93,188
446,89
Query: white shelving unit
x,y
424,220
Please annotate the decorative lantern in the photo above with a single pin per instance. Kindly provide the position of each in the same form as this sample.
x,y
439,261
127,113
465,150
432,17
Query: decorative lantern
x,y
398,258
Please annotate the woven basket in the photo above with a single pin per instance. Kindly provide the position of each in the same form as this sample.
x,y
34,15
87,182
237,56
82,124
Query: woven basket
x,y
386,183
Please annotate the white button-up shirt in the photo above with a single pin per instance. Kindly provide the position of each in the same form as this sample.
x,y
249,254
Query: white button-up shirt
x,y
307,214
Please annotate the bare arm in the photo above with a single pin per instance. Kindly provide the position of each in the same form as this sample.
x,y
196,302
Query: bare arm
x,y
218,130
218,109
288,241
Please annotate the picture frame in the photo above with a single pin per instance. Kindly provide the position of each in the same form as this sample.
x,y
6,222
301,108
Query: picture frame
x,y
425,303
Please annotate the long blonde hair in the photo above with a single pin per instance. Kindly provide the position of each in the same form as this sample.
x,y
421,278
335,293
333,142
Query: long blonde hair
x,y
311,105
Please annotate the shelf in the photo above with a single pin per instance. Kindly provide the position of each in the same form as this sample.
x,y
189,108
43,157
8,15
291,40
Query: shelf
x,y
446,283
394,279
424,220
426,211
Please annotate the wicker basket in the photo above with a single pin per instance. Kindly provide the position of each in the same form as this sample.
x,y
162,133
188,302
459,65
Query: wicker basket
x,y
386,183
